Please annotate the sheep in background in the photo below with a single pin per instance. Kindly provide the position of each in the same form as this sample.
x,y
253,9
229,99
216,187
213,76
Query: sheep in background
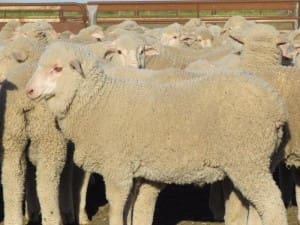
x,y
126,50
165,105
89,34
129,25
40,30
233,24
7,31
197,38
194,23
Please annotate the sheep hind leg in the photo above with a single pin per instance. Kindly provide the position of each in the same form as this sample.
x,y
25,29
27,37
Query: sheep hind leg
x,y
143,205
260,189
118,196
236,209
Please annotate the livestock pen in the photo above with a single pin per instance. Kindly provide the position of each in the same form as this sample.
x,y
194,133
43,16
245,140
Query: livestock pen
x,y
74,15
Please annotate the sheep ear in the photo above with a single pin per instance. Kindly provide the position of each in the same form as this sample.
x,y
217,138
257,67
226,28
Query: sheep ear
x,y
238,38
282,39
150,50
109,53
20,56
76,65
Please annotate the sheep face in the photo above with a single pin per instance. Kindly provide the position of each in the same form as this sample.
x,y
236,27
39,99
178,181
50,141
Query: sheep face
x,y
55,74
127,51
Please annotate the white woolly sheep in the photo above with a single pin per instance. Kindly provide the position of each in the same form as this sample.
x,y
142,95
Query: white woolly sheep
x,y
124,51
92,33
7,31
43,136
40,30
121,151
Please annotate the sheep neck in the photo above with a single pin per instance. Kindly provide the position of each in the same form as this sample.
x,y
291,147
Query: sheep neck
x,y
90,94
255,56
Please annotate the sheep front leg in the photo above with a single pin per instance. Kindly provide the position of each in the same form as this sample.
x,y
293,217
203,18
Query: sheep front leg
x,y
80,186
262,192
83,217
118,197
13,177
48,179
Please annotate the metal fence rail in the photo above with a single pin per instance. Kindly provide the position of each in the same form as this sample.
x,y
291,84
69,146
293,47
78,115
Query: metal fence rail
x,y
215,11
74,16
63,16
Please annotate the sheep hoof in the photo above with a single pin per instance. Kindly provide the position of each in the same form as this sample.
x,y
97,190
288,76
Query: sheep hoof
x,y
83,219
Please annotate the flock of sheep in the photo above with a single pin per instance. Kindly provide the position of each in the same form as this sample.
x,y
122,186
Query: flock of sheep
x,y
182,104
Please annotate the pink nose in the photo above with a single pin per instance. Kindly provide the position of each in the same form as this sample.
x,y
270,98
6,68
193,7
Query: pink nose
x,y
30,91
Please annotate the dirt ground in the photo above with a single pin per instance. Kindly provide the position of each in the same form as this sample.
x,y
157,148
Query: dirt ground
x,y
101,218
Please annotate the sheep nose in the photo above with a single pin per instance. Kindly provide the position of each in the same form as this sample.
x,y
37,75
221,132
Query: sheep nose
x,y
30,92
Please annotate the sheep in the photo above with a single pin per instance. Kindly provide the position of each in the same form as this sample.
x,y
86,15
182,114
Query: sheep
x,y
234,23
91,33
8,30
199,37
159,57
194,23
170,35
124,51
230,61
129,25
17,68
19,51
261,48
120,156
40,30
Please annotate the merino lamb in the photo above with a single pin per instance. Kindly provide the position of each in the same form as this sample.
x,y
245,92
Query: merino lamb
x,y
22,121
176,123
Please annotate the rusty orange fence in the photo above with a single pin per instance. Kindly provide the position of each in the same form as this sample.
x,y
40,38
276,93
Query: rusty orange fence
x,y
74,16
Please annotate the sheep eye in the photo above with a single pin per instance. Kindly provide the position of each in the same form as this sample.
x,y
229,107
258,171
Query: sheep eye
x,y
175,37
57,69
119,52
